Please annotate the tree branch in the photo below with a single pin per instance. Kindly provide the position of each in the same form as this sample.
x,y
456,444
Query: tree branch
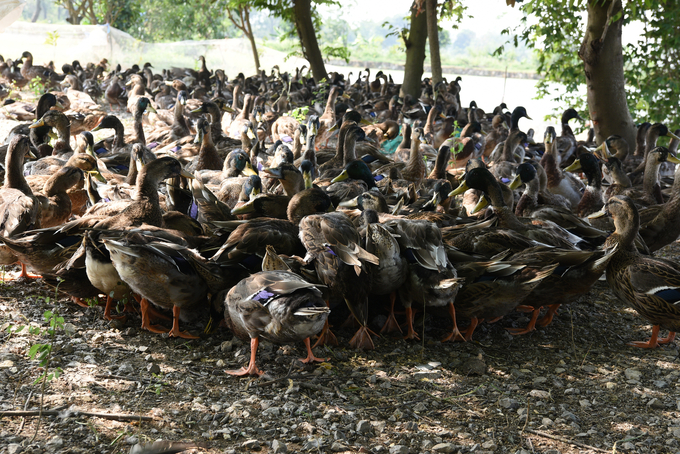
x,y
609,17
231,18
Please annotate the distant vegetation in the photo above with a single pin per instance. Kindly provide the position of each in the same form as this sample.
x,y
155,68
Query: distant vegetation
x,y
368,41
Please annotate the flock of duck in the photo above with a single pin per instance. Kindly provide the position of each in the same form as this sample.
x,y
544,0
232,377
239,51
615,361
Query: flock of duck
x,y
267,201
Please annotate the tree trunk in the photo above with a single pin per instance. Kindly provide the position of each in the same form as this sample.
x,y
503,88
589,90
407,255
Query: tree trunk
x,y
433,38
415,54
38,9
248,30
602,55
310,47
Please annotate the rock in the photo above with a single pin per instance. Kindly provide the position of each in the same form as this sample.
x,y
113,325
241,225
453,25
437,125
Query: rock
x,y
312,444
6,364
507,402
153,369
14,448
547,422
551,451
539,381
584,403
364,427
279,447
474,366
399,449
339,447
412,426
251,445
429,374
540,394
272,411
655,403
633,374
54,444
420,406
491,445
444,448
660,383
132,440
125,369
379,426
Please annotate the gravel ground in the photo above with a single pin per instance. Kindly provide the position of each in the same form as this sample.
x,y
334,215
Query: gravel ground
x,y
574,386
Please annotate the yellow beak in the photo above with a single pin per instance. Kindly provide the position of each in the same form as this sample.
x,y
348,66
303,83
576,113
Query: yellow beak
x,y
576,165
460,189
516,183
342,177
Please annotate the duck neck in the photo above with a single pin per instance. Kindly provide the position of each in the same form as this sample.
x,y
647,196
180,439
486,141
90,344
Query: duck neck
x,y
14,176
349,150
139,130
626,231
509,149
619,177
651,178
440,164
416,155
215,123
208,152
330,104
118,135
147,187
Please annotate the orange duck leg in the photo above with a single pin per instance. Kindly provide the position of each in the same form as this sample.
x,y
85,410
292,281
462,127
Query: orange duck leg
x,y
146,323
410,332
175,332
548,318
654,341
455,332
531,326
252,367
391,324
310,355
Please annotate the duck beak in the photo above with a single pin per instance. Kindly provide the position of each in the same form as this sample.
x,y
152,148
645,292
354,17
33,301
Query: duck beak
x,y
97,175
186,174
199,136
549,139
228,109
435,201
30,154
352,203
250,134
460,189
37,124
248,169
442,116
483,203
151,108
342,177
365,122
197,110
248,207
672,158
576,165
307,177
516,183
333,128
168,83
274,172
674,136
598,214
139,164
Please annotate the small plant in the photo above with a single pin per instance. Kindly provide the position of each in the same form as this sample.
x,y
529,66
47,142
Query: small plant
x,y
300,113
44,351
37,86
52,38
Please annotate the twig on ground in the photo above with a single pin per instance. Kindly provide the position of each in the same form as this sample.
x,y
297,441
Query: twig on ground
x,y
564,440
112,416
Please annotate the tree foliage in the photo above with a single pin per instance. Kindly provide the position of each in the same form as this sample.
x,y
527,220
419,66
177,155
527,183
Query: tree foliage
x,y
556,29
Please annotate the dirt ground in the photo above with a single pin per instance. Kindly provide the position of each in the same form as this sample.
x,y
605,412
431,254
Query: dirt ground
x,y
574,386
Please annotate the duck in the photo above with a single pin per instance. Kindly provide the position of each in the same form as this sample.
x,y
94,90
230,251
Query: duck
x,y
431,280
591,199
559,182
650,285
208,158
333,248
662,229
279,306
545,232
651,187
167,274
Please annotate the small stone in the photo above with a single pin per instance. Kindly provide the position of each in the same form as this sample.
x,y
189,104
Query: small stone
x,y
153,369
411,426
272,411
610,385
279,447
339,447
226,346
420,406
628,446
540,381
547,422
131,440
584,403
380,426
508,403
125,369
429,374
399,449
14,448
474,366
559,370
6,364
551,451
633,374
539,394
444,448
251,444
311,444
491,445
220,363
655,403
660,383
364,427
70,328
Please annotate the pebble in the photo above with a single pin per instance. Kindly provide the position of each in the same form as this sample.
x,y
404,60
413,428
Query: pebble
x,y
547,422
338,447
14,448
251,444
474,366
660,383
411,426
507,402
420,406
125,369
364,427
633,374
539,394
311,444
655,403
429,374
489,445
399,449
444,448
153,368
